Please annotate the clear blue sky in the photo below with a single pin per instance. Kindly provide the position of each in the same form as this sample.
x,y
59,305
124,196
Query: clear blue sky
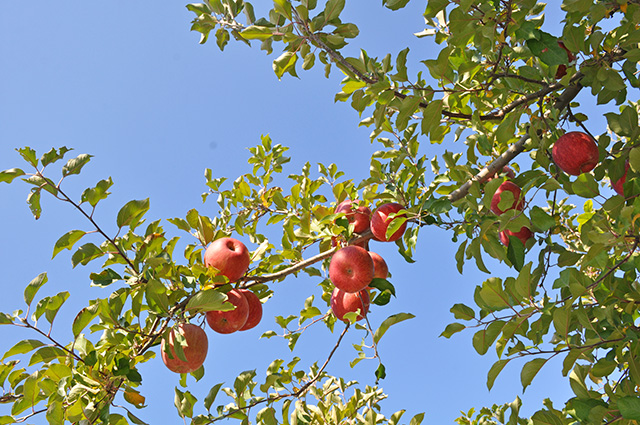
x,y
128,83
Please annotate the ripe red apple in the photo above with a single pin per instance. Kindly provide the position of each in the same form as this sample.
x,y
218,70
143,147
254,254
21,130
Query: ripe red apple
x,y
380,222
344,302
505,170
380,267
226,322
255,309
228,255
497,196
355,213
194,352
619,185
351,269
575,153
524,234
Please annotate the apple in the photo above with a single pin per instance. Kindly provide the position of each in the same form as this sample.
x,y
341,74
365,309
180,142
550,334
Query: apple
x,y
255,309
354,213
363,243
195,350
524,234
380,267
497,197
575,153
619,185
562,68
226,322
228,255
380,222
505,170
345,302
351,269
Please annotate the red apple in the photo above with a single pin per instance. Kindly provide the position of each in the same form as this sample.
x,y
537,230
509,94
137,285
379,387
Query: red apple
x,y
562,68
380,267
228,255
524,234
255,309
505,170
619,185
380,222
195,350
575,153
497,197
344,302
351,269
354,213
226,322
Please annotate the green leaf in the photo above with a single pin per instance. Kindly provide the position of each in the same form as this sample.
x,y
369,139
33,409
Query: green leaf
x,y
33,287
105,278
254,32
547,49
33,200
417,419
515,252
83,318
184,402
23,347
284,62
461,311
381,372
541,220
85,254
47,354
98,193
452,328
67,241
493,294
395,4
7,176
157,298
629,408
585,186
131,213
391,320
483,339
211,397
53,155
29,155
332,9
431,117
209,300
530,370
495,371
74,166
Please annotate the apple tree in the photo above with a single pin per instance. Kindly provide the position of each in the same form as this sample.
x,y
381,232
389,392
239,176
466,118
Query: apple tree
x,y
498,95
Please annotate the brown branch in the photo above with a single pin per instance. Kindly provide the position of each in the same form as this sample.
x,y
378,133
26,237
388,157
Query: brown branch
x,y
289,270
497,164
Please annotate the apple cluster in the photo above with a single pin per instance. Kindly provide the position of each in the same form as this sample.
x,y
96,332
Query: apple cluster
x,y
351,270
230,258
353,267
574,153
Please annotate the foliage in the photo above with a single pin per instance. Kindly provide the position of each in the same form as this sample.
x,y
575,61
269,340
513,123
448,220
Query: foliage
x,y
574,290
